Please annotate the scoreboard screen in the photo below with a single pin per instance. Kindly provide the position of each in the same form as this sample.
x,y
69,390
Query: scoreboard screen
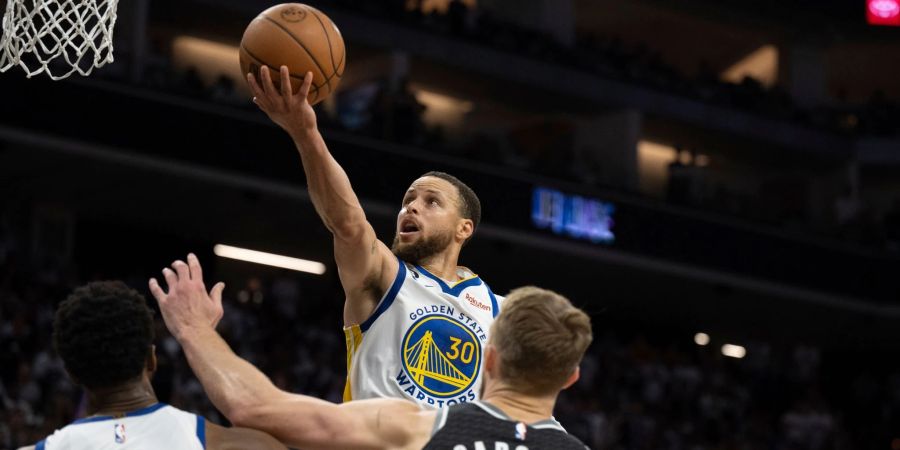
x,y
573,215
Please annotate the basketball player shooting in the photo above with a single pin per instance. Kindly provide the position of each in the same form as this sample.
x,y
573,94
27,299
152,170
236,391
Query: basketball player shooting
x,y
414,320
104,334
534,351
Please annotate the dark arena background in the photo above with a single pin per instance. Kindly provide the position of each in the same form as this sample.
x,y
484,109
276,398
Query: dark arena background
x,y
716,182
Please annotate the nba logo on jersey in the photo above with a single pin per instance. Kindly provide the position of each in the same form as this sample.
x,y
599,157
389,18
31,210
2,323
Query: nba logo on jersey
x,y
521,429
120,433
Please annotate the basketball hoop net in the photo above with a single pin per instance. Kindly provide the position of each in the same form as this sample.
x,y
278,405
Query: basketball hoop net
x,y
58,37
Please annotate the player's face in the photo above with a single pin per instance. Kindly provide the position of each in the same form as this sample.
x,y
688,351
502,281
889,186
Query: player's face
x,y
427,220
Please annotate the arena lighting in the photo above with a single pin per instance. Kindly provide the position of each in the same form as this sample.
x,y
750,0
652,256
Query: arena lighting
x,y
701,339
443,110
269,259
761,64
734,351
883,12
440,101
209,59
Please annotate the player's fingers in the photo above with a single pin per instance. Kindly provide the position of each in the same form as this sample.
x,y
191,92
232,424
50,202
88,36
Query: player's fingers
x,y
307,83
184,272
255,88
216,294
171,278
267,84
194,266
156,290
258,95
286,91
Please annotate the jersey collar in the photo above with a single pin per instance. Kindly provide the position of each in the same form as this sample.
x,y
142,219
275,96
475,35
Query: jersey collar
x,y
498,413
456,288
138,412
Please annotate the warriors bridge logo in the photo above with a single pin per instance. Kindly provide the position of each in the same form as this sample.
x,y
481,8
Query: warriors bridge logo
x,y
441,358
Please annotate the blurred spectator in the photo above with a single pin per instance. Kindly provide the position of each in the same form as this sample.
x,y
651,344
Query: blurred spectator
x,y
223,90
190,83
404,115
892,226
807,427
679,187
846,210
458,15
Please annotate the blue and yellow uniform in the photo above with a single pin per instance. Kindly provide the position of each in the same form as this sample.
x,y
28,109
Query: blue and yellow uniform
x,y
424,342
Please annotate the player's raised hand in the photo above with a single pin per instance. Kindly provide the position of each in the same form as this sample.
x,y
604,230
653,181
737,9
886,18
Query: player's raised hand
x,y
290,111
187,306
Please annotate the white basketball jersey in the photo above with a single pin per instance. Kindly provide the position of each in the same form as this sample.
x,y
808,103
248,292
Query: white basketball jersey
x,y
157,427
424,342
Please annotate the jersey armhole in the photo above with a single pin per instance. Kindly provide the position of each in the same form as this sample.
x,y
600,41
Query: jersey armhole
x,y
389,297
495,305
439,421
201,431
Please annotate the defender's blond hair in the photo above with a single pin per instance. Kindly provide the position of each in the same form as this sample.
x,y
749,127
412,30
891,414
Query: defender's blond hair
x,y
540,338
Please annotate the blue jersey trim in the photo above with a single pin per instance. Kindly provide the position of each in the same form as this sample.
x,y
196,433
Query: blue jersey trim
x,y
137,412
40,445
455,290
201,431
388,298
494,305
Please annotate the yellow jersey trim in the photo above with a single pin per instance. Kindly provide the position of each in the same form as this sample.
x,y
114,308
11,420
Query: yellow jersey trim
x,y
353,337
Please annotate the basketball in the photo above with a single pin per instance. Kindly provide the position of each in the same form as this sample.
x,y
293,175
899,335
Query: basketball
x,y
303,39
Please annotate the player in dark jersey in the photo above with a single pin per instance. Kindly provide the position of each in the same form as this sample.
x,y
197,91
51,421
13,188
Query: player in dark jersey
x,y
483,426
536,344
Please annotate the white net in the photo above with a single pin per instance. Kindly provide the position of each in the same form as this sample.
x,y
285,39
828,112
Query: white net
x,y
59,37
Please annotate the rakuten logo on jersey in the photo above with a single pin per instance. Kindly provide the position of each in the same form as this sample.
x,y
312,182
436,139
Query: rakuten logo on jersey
x,y
474,302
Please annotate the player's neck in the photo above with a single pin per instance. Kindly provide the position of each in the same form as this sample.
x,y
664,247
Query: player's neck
x,y
522,408
443,265
121,399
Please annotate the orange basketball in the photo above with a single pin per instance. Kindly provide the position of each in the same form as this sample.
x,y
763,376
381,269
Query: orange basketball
x,y
303,39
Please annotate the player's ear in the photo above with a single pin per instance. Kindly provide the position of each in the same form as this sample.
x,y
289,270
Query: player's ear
x,y
465,229
151,359
491,359
573,378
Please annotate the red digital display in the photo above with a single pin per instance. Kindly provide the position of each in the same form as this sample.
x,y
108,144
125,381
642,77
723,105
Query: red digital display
x,y
883,12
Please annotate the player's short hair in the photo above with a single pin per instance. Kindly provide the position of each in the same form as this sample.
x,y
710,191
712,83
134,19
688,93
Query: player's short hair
x,y
103,332
469,205
540,339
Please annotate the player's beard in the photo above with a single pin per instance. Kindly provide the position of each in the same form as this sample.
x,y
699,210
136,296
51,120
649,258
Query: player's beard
x,y
421,249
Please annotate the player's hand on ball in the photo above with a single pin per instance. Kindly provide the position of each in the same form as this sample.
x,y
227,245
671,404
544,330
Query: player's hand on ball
x,y
187,306
290,111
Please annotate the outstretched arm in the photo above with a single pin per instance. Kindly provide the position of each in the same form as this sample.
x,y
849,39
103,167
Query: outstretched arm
x,y
249,399
221,438
365,265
